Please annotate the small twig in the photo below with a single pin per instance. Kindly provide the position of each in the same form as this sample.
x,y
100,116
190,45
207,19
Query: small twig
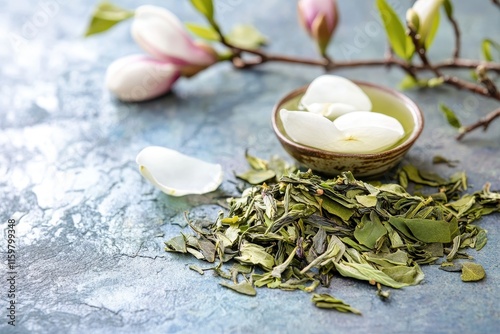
x,y
456,30
486,81
462,84
422,53
483,122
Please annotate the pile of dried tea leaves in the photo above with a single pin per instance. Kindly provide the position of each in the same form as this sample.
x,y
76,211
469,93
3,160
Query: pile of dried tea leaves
x,y
299,230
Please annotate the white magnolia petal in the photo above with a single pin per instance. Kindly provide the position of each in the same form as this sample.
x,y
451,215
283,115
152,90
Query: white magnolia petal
x,y
368,132
366,119
310,129
426,11
338,109
139,78
177,174
335,89
331,110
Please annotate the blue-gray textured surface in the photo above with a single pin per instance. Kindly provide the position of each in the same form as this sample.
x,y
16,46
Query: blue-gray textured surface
x,y
90,229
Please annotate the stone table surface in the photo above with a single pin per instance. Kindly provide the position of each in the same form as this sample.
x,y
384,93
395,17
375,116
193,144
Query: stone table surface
x,y
90,230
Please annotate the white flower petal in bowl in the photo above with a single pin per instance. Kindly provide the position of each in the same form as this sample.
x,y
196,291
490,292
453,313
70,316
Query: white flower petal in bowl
x,y
331,110
310,129
177,174
355,132
368,132
329,89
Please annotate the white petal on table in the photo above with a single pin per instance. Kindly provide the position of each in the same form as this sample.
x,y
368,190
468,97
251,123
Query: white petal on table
x,y
177,174
334,89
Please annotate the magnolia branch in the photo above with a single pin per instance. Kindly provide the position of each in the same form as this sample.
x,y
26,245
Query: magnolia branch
x,y
489,90
482,123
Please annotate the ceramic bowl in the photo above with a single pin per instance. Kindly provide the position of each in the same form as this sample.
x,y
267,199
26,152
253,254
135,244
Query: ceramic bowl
x,y
384,100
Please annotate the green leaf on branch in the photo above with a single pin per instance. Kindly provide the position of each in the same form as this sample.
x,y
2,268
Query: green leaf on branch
x,y
448,8
205,7
105,16
432,31
487,46
246,36
207,33
450,116
434,82
400,42
408,82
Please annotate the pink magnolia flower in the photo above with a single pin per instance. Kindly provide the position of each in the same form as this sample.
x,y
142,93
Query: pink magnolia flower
x,y
174,53
139,77
319,18
162,35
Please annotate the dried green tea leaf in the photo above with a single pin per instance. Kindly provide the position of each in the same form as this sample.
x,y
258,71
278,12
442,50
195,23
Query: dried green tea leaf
x,y
472,272
403,274
367,200
280,268
255,254
245,288
207,248
327,301
481,239
438,159
398,258
365,272
176,244
197,269
426,230
369,231
257,176
336,209
451,266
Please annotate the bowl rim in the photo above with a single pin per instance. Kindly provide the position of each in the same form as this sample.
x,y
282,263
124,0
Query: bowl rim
x,y
415,111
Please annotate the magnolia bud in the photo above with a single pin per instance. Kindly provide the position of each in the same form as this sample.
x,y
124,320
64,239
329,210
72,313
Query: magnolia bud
x,y
160,33
426,11
139,78
319,18
412,20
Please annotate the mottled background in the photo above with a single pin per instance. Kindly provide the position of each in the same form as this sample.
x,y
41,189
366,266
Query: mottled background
x,y
90,230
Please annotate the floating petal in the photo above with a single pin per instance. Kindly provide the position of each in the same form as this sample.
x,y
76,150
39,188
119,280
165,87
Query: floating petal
x,y
331,110
368,132
310,129
177,174
355,132
330,89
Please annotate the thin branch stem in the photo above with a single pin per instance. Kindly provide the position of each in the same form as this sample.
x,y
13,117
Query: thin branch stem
x,y
482,123
456,31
